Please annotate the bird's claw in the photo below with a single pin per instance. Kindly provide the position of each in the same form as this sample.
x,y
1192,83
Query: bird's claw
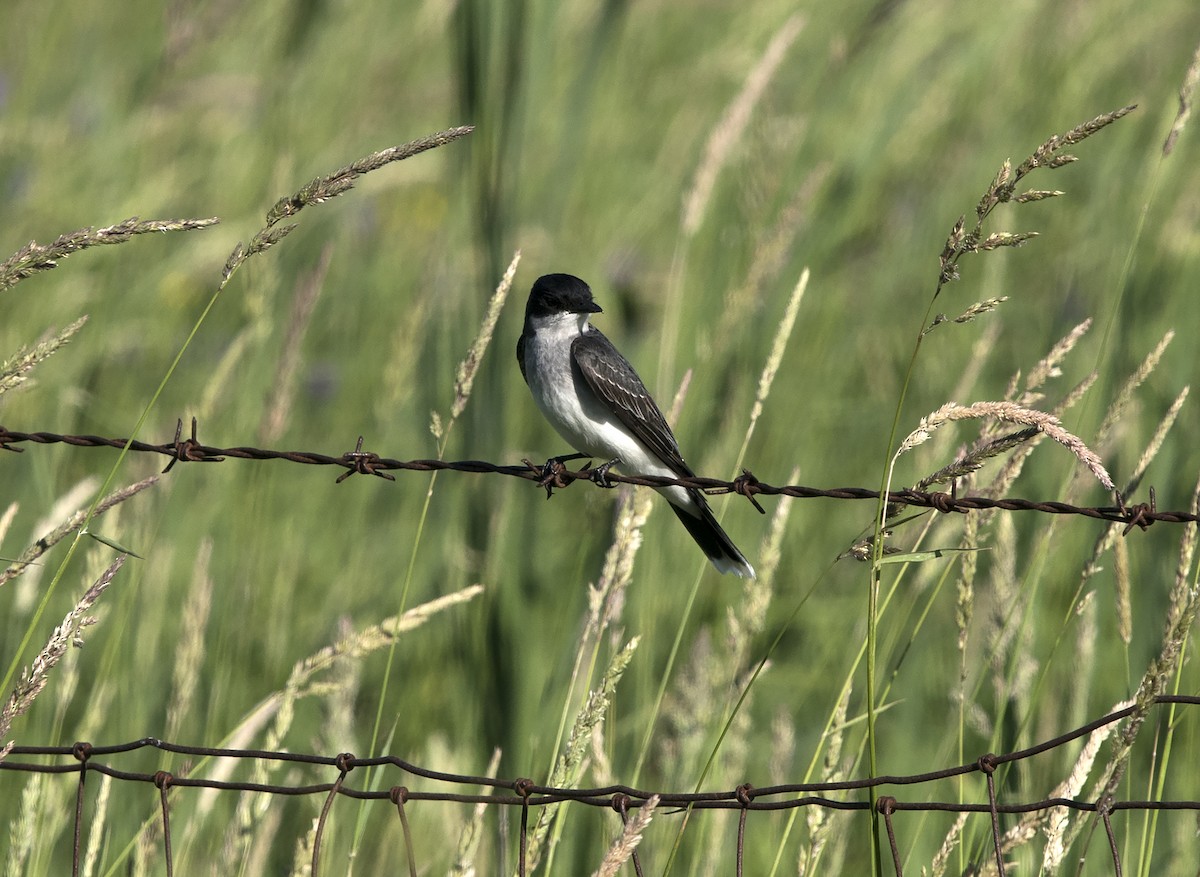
x,y
599,474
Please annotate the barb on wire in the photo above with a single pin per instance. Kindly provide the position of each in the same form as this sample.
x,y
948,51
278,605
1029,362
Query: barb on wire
x,y
555,474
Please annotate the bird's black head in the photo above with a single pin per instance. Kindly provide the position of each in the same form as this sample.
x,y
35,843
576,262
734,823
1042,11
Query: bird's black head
x,y
560,294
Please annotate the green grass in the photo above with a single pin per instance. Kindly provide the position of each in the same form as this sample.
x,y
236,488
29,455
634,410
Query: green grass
x,y
879,128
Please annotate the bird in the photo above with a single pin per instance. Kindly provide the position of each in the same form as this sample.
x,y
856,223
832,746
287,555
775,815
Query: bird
x,y
595,400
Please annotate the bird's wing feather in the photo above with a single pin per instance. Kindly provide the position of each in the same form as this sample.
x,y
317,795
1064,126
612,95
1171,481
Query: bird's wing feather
x,y
521,356
614,381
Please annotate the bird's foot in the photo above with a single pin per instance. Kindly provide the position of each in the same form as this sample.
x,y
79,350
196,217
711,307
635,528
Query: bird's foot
x,y
599,474
554,472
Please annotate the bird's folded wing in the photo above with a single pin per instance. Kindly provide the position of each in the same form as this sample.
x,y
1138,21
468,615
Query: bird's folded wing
x,y
614,381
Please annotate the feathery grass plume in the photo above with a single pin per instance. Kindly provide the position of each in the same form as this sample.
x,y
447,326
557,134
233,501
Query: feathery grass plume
x,y
783,743
991,441
1009,412
1156,442
283,388
303,681
1012,467
1055,822
68,633
258,857
772,250
1108,537
978,309
937,865
63,506
570,765
622,848
97,827
7,518
464,377
1187,92
1003,189
1050,365
1180,592
606,601
1124,396
1046,368
34,257
728,132
778,348
396,379
1154,681
22,831
1121,591
964,606
146,851
323,188
746,618
981,352
1002,625
973,459
1087,636
189,651
223,377
338,731
302,859
468,841
15,371
819,820
44,544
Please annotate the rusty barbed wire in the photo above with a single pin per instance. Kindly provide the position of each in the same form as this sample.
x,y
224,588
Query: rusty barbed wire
x,y
555,474
83,760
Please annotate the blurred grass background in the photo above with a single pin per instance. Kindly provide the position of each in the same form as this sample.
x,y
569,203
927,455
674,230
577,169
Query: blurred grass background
x,y
883,122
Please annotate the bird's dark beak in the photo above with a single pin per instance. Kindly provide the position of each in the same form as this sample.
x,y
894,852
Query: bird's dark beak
x,y
594,308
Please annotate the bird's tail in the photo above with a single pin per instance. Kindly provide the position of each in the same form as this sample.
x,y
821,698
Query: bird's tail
x,y
713,541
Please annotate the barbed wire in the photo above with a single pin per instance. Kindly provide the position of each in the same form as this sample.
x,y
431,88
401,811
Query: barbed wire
x,y
555,474
526,794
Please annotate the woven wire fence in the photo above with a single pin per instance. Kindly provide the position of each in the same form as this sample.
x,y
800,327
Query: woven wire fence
x,y
881,793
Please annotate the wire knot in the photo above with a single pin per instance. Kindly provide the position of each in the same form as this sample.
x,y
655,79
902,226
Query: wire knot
x,y
360,462
345,761
744,794
987,763
163,778
620,803
82,751
398,795
523,787
189,450
747,485
553,473
885,805
943,502
1139,515
4,442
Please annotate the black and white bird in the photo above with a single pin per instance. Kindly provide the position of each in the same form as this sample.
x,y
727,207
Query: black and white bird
x,y
595,400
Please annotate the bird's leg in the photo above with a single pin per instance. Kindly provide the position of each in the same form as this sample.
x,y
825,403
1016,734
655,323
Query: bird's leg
x,y
599,474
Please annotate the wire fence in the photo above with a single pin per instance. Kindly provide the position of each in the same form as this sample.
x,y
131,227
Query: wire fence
x,y
84,759
876,793
556,474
